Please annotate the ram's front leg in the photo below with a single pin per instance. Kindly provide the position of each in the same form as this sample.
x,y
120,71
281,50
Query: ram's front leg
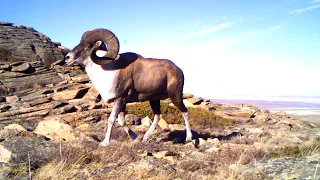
x,y
122,123
118,104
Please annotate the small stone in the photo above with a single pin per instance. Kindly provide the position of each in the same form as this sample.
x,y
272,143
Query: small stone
x,y
21,27
5,155
47,91
12,99
146,121
163,124
49,85
195,101
6,24
132,119
15,127
80,78
83,127
4,66
207,144
212,149
95,106
176,127
188,96
160,154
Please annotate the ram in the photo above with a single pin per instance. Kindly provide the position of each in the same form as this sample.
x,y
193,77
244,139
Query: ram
x,y
128,77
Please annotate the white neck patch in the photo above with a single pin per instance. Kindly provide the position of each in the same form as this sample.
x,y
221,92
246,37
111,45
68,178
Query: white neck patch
x,y
105,81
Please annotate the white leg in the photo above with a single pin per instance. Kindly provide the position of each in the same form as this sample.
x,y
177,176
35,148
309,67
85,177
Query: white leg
x,y
152,127
111,120
113,116
188,129
122,123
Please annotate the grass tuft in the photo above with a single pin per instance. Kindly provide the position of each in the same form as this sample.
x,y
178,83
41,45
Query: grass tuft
x,y
308,148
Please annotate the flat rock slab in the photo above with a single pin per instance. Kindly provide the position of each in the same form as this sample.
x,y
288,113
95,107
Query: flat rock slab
x,y
69,94
12,99
4,66
21,68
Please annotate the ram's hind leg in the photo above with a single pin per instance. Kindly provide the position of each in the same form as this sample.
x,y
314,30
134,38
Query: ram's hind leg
x,y
177,100
122,123
155,106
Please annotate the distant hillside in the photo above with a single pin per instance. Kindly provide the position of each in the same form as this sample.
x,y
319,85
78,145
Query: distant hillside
x,y
29,44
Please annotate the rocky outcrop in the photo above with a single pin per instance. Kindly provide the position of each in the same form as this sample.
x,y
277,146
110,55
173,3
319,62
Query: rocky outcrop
x,y
29,44
23,75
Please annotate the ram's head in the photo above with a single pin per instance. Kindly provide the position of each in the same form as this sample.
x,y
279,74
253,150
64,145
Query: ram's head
x,y
93,43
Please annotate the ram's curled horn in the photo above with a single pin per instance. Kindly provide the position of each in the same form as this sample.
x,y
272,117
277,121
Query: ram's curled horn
x,y
106,36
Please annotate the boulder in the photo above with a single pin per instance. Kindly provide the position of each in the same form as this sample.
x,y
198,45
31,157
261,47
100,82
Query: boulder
x,y
12,130
15,150
21,68
15,127
57,129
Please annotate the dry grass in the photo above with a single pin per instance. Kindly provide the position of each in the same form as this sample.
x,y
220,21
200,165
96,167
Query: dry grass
x,y
134,160
130,161
85,160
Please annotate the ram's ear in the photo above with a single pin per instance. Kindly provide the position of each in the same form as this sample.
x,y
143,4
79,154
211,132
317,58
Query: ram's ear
x,y
99,43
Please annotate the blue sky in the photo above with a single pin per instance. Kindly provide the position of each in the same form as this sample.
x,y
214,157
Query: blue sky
x,y
225,48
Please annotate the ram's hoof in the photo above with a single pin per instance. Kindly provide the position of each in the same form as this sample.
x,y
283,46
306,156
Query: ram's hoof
x,y
103,144
145,139
188,139
133,135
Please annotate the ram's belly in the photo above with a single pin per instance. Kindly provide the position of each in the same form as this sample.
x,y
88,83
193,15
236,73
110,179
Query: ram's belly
x,y
104,81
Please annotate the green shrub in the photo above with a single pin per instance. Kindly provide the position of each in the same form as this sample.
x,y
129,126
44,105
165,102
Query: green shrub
x,y
309,148
198,117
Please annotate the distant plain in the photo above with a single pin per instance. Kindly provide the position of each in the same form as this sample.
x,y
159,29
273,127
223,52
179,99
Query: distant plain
x,y
297,108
